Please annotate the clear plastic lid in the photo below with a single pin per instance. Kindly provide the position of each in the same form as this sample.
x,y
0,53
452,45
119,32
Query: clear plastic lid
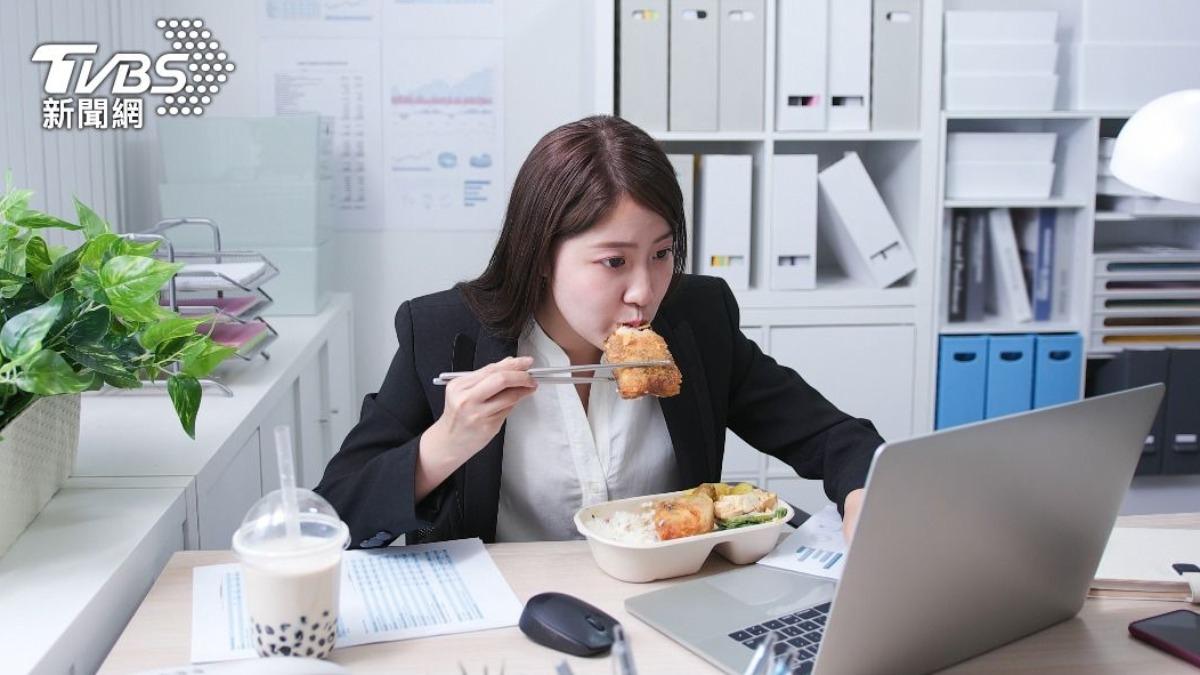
x,y
264,530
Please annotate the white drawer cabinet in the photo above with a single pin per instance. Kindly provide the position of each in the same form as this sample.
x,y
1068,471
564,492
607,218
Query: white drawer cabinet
x,y
223,501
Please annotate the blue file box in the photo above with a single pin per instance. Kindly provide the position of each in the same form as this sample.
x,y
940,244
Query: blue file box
x,y
1056,369
1009,375
962,374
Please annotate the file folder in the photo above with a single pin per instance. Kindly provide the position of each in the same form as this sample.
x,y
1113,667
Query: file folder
x,y
1009,375
724,225
685,173
643,62
1134,368
850,65
1181,424
742,36
694,65
794,223
800,79
1056,369
861,232
962,379
896,65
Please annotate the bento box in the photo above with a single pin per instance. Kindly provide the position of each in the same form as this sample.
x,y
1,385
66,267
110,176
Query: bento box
x,y
646,559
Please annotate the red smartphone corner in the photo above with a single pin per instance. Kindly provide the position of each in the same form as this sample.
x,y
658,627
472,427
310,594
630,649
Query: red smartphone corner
x,y
1176,633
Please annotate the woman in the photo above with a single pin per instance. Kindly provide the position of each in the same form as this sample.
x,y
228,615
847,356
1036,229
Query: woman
x,y
593,239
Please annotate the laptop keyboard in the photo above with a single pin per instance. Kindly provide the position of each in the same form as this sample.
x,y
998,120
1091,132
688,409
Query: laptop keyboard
x,y
796,635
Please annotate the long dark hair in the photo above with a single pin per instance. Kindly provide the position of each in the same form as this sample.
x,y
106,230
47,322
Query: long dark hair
x,y
572,179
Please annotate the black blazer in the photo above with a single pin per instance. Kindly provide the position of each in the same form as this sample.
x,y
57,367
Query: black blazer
x,y
727,382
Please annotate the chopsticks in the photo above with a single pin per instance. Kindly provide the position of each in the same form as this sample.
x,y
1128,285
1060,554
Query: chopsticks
x,y
561,374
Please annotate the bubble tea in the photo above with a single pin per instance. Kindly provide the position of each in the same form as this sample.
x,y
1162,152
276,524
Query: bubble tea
x,y
290,546
291,584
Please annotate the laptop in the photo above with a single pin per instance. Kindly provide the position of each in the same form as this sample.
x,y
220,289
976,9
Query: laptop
x,y
969,538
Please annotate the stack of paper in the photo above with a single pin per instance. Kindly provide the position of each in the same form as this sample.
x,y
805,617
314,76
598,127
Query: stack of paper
x,y
458,589
1139,562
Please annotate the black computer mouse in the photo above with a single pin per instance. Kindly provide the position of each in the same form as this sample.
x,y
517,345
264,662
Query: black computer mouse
x,y
568,624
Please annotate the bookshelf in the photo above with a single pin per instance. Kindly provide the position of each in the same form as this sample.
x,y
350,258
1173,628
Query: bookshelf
x,y
909,169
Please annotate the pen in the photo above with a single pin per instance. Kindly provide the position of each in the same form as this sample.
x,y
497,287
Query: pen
x,y
622,656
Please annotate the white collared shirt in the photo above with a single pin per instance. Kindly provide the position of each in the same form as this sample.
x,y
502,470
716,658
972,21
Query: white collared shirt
x,y
559,458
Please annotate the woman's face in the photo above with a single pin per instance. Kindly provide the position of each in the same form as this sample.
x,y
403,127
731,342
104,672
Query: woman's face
x,y
615,273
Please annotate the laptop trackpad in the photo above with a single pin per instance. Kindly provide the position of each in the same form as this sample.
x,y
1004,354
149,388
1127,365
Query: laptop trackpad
x,y
698,613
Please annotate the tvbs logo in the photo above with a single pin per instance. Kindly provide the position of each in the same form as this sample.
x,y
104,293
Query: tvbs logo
x,y
185,79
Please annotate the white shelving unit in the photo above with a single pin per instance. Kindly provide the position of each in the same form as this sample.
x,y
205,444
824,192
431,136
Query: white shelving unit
x,y
869,350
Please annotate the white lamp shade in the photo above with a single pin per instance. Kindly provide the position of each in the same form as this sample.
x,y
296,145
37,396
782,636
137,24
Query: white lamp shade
x,y
1158,150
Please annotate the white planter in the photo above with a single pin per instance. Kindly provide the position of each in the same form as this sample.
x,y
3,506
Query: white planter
x,y
36,456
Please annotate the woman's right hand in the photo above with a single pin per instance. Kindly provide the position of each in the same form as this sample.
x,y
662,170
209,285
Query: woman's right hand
x,y
477,405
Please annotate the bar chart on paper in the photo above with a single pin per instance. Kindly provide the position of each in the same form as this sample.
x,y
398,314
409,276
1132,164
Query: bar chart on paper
x,y
826,559
817,547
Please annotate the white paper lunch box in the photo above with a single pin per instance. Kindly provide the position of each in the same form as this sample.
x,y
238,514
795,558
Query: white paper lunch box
x,y
641,562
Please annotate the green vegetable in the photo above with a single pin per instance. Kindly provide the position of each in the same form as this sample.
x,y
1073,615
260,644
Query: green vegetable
x,y
750,519
72,321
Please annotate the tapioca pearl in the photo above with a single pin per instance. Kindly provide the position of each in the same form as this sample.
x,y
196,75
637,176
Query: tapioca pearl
x,y
284,626
309,652
303,620
273,650
285,650
321,642
299,635
282,637
258,628
270,631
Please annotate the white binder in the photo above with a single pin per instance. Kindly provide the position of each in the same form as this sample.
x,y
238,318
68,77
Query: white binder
x,y
800,91
725,198
1008,294
743,64
896,65
794,223
685,173
694,65
643,62
861,232
850,64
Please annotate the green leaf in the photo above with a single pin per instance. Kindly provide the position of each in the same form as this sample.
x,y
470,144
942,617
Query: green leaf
x,y
14,202
49,374
92,224
105,364
59,276
22,335
37,258
166,329
126,348
130,281
14,254
142,248
172,349
95,252
200,358
89,328
87,283
185,394
36,220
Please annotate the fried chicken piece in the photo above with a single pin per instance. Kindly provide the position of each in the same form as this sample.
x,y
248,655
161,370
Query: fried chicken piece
x,y
683,516
734,505
642,344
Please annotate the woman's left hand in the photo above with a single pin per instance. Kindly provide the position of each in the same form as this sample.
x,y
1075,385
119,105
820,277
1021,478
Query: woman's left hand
x,y
851,509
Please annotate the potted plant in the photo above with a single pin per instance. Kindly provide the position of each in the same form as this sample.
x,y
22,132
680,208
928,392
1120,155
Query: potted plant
x,y
75,321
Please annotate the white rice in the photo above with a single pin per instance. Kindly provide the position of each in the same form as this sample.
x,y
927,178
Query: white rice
x,y
627,527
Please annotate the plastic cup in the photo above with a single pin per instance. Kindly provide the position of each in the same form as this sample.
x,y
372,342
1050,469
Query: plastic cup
x,y
291,584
